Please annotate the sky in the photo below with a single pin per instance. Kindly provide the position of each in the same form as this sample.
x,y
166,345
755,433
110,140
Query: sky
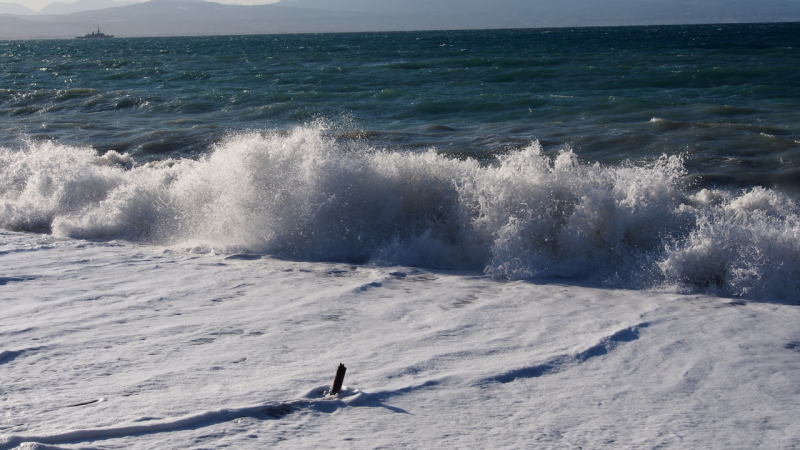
x,y
36,5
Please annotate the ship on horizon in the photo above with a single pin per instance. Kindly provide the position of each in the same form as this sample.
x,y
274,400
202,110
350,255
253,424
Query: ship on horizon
x,y
95,35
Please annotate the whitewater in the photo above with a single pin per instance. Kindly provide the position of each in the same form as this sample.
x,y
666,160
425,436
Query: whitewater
x,y
578,238
116,345
206,303
302,195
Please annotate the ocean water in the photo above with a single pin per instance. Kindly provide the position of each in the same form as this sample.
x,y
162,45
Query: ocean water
x,y
658,158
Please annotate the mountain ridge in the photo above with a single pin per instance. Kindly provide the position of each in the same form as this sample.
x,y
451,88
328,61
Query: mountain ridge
x,y
81,5
191,18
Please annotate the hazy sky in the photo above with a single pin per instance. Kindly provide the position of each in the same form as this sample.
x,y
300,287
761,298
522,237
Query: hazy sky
x,y
36,5
39,4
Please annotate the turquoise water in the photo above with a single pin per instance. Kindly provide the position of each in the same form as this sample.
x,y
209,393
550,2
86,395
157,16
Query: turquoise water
x,y
641,157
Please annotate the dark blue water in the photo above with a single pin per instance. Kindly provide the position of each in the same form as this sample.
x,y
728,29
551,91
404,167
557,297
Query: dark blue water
x,y
644,157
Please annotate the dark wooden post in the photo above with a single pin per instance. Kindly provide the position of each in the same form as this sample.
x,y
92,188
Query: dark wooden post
x,y
338,380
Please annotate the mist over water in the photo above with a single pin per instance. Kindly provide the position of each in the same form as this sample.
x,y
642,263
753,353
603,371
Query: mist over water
x,y
305,195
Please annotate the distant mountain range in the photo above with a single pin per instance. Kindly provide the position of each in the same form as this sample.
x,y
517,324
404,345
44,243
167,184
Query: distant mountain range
x,y
82,5
62,7
14,8
197,17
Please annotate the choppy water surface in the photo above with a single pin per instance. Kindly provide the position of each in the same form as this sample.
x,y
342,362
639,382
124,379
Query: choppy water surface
x,y
725,95
457,149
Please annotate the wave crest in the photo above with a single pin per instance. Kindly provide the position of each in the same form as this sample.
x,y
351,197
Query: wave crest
x,y
304,195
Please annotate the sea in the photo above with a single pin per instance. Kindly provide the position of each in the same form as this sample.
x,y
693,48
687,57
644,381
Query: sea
x,y
654,158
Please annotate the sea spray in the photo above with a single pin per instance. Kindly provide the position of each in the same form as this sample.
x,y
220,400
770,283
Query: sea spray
x,y
44,182
747,245
548,217
306,195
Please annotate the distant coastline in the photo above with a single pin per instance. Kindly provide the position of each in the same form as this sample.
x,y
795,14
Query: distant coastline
x,y
199,18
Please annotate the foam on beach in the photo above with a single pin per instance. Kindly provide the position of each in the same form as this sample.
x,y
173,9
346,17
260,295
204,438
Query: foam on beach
x,y
307,196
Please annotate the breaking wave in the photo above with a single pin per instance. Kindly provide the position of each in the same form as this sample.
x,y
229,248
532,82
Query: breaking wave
x,y
307,196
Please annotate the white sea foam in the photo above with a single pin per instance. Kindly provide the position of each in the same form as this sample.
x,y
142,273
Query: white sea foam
x,y
118,345
304,195
747,245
